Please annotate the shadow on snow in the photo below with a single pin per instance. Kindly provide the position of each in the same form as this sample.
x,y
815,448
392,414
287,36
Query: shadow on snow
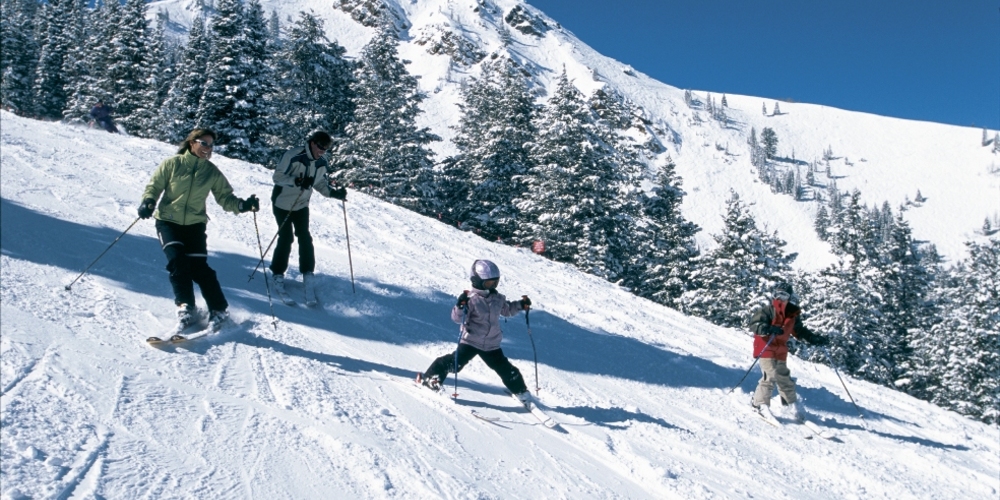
x,y
378,311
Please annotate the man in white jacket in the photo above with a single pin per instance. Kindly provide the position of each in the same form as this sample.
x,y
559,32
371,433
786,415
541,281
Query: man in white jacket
x,y
301,170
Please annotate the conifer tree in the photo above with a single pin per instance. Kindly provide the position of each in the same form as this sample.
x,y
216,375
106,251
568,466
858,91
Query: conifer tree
x,y
180,108
49,88
129,66
386,153
227,106
160,73
77,67
258,122
313,89
18,55
739,272
664,247
487,175
967,359
769,142
579,189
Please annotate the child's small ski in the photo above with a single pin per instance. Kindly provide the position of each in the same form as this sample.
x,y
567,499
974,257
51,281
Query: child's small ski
x,y
532,406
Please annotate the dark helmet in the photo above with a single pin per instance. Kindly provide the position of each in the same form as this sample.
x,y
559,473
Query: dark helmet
x,y
483,270
320,138
783,291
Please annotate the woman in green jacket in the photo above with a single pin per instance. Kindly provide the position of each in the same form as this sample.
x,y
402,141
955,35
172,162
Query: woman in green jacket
x,y
185,181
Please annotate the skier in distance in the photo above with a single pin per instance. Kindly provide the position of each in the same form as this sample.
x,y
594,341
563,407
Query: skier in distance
x,y
481,334
779,318
185,181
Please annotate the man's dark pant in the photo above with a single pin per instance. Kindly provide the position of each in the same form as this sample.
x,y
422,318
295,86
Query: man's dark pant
x,y
296,227
495,359
186,248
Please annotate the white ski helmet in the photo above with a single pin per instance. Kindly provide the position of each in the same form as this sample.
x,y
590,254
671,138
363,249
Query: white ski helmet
x,y
483,270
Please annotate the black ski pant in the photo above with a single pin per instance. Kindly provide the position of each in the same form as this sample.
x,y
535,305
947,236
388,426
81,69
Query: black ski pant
x,y
186,248
296,227
495,359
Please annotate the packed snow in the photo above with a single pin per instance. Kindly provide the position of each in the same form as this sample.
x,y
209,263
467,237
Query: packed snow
x,y
321,404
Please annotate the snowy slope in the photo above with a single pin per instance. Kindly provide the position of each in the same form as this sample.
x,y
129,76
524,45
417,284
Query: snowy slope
x,y
321,404
888,159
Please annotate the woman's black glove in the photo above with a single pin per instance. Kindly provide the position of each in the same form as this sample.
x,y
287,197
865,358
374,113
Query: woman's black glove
x,y
251,204
146,208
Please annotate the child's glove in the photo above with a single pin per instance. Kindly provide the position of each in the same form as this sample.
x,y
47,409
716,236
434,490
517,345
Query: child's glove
x,y
525,302
463,300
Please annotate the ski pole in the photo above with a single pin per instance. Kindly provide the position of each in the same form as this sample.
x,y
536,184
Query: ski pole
x,y
825,351
751,366
289,216
270,303
533,351
70,286
465,316
348,234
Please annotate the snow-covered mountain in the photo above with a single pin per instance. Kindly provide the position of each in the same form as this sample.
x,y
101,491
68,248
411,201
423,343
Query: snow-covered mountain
x,y
321,405
887,159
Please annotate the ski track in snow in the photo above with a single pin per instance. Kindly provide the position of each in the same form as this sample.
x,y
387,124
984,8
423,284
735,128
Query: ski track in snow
x,y
322,404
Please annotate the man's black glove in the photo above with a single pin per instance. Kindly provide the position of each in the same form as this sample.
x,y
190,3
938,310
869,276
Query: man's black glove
x,y
525,302
337,191
251,204
304,182
772,330
818,340
463,300
146,208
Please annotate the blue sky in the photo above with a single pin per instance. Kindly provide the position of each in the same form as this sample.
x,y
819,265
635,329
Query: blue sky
x,y
920,59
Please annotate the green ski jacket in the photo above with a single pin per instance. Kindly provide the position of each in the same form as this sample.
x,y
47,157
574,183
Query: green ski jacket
x,y
185,181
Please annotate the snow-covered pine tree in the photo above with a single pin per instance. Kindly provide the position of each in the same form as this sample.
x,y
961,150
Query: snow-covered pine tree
x,y
487,176
228,105
18,55
77,65
664,246
967,359
313,84
844,307
579,198
731,279
777,110
129,66
49,87
258,122
160,73
769,143
904,279
822,223
180,108
386,153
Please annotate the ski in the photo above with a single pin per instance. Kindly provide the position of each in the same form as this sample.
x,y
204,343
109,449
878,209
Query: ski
x,y
285,298
764,413
179,338
197,325
532,407
418,381
485,417
312,301
819,431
